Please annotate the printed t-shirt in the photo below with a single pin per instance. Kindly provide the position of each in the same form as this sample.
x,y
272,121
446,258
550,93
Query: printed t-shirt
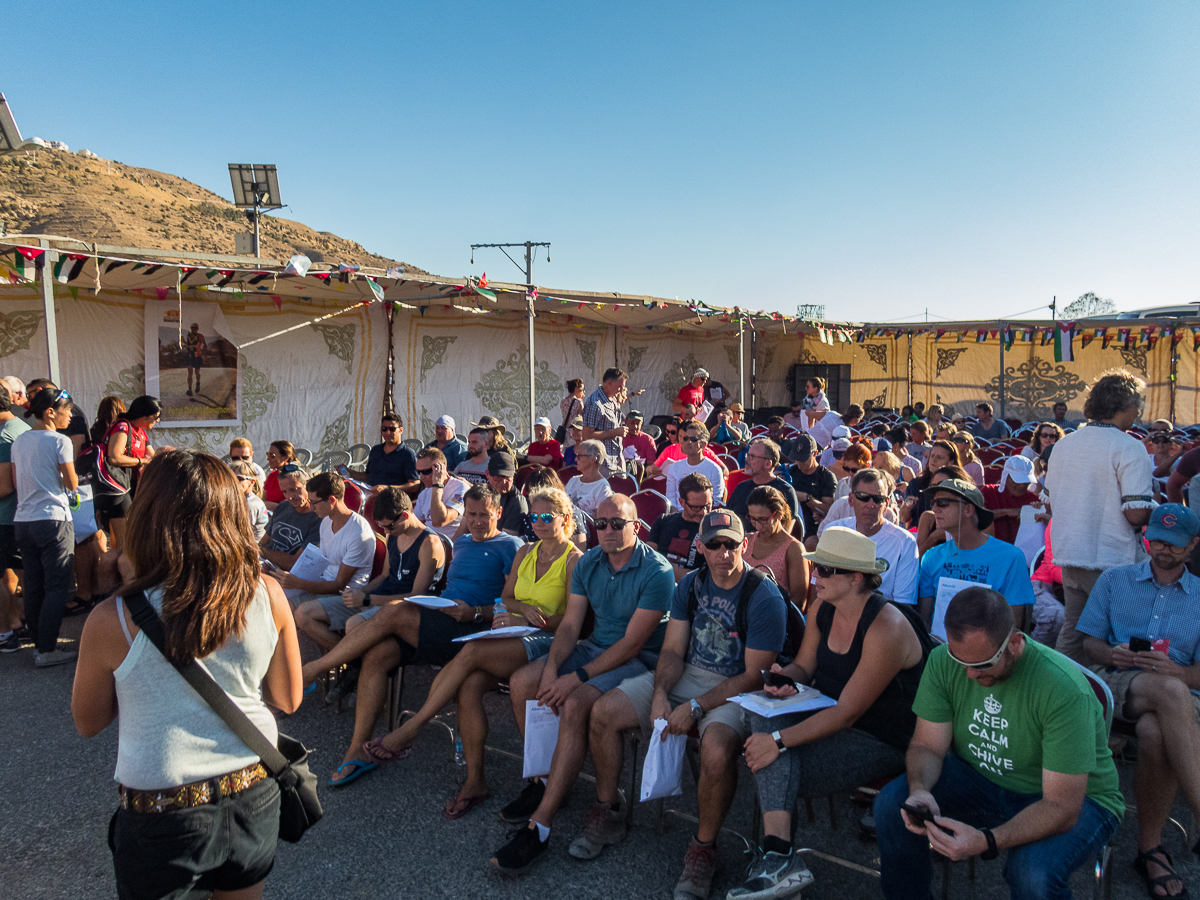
x,y
996,564
715,645
289,530
472,472
1043,716
645,582
675,538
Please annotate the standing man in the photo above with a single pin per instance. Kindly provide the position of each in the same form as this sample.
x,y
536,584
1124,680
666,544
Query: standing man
x,y
968,557
452,446
1101,491
628,587
692,393
293,524
762,456
869,493
602,418
390,463
987,427
10,555
705,659
675,535
194,346
695,440
813,483
1157,601
473,470
1010,753
440,503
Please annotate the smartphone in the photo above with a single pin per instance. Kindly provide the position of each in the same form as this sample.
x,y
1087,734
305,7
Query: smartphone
x,y
924,817
1140,645
777,679
343,471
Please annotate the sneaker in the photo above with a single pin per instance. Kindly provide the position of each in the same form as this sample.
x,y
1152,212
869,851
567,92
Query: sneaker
x,y
346,685
602,827
519,811
521,852
699,866
10,644
773,875
53,658
22,634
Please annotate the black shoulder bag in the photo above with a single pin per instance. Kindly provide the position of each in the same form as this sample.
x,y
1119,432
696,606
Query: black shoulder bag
x,y
299,805
560,433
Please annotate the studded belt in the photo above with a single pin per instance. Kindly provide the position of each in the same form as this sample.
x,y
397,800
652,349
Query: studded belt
x,y
197,793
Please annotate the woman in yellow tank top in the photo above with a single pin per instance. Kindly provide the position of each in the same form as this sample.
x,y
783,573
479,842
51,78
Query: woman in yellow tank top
x,y
534,594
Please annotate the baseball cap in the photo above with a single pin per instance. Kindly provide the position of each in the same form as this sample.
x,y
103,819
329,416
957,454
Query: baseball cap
x,y
882,444
801,447
502,465
445,421
703,372
1017,468
1173,523
542,420
841,431
577,422
634,414
721,523
968,492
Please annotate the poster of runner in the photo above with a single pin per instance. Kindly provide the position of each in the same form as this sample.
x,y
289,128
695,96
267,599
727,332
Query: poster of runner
x,y
191,364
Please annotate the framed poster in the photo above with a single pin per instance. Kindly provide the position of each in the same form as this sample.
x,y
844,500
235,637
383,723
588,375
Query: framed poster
x,y
192,364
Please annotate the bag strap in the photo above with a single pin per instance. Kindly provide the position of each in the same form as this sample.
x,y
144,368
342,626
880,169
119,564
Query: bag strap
x,y
210,692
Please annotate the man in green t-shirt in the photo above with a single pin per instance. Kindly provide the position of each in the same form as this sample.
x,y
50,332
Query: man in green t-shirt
x,y
1010,753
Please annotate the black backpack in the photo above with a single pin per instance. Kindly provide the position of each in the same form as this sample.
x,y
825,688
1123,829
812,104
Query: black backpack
x,y
928,641
741,618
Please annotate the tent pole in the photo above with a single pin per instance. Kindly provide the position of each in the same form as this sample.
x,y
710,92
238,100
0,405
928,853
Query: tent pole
x,y
48,260
1001,370
529,301
910,370
741,360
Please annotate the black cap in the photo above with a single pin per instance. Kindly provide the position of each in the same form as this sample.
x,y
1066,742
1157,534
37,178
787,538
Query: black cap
x,y
502,465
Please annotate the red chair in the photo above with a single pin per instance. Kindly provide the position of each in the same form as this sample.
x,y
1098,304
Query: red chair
x,y
566,473
651,505
368,510
658,484
379,563
623,484
593,536
643,531
991,474
730,462
1012,423
734,479
758,431
988,455
353,498
521,477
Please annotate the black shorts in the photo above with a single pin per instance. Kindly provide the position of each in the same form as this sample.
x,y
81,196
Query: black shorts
x,y
194,362
111,506
10,553
435,639
226,846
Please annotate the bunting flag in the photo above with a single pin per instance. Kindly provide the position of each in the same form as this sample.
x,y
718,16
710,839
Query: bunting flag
x,y
1196,339
940,332
1103,333
63,272
1176,336
1063,337
1123,336
1026,335
1009,335
1048,336
980,337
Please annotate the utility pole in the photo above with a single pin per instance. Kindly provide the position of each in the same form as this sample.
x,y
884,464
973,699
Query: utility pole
x,y
1054,306
529,311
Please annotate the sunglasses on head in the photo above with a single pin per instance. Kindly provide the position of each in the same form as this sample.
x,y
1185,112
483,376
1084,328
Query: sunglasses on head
x,y
615,522
289,469
987,663
864,497
830,571
722,545
544,518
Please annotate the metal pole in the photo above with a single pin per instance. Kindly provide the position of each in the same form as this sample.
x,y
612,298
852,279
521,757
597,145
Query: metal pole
x,y
753,369
529,302
741,360
1174,370
48,260
257,216
1001,370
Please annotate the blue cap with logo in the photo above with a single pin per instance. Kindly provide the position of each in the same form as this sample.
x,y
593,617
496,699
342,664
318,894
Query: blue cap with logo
x,y
1173,523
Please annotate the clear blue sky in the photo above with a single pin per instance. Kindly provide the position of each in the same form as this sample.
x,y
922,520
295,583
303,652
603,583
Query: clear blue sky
x,y
880,158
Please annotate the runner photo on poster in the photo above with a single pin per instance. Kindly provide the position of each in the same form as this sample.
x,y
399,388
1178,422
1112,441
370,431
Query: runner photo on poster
x,y
193,370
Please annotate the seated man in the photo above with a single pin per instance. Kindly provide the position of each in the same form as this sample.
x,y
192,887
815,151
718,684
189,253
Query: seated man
x,y
440,504
241,450
576,430
513,506
762,456
544,449
1010,753
1157,601
674,535
628,587
731,429
703,662
968,557
453,447
694,443
390,463
348,543
404,633
473,469
813,483
293,524
641,442
1007,499
675,452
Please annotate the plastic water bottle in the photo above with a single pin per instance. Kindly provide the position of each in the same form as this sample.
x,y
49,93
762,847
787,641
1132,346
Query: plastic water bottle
x,y
459,759
498,607
74,500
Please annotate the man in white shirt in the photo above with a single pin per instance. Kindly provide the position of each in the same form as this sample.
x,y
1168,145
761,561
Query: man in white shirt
x,y
348,544
695,439
440,503
869,492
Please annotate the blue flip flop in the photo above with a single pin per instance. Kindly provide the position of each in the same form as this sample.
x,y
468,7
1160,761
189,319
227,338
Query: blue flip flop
x,y
363,769
312,687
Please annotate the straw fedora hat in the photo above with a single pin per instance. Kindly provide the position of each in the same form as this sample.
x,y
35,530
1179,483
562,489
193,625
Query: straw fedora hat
x,y
845,548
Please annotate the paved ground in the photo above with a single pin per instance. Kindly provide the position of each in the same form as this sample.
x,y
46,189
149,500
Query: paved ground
x,y
383,836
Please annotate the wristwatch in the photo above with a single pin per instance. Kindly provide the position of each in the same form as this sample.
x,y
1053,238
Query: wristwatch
x,y
697,710
992,851
779,744
583,674
478,614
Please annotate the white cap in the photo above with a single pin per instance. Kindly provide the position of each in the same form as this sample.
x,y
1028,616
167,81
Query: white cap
x,y
840,444
1019,469
445,421
703,372
542,420
841,431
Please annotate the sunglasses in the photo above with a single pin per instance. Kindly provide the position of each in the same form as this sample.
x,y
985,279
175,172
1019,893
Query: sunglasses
x,y
722,545
850,471
830,571
428,471
987,663
691,440
671,433
864,497
387,430
546,518
943,502
616,523
289,469
385,524
242,458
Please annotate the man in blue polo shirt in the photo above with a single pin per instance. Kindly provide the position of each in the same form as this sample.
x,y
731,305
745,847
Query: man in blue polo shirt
x,y
390,463
1156,602
629,588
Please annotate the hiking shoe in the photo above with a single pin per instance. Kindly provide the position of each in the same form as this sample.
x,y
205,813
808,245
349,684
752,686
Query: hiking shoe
x,y
519,811
53,658
10,644
699,866
346,685
521,852
773,875
603,826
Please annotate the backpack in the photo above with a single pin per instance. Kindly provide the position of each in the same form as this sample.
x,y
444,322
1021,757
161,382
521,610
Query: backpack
x,y
927,640
741,619
88,461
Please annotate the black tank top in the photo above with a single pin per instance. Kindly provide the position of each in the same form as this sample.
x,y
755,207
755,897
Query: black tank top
x,y
890,718
403,570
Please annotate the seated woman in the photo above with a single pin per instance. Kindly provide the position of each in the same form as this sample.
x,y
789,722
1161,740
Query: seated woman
x,y
964,442
279,454
771,543
863,653
544,477
940,455
589,488
535,593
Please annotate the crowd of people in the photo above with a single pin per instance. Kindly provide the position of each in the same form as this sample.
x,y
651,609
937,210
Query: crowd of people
x,y
963,588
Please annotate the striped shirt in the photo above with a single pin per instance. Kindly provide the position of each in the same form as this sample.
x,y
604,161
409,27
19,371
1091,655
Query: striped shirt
x,y
1127,602
603,413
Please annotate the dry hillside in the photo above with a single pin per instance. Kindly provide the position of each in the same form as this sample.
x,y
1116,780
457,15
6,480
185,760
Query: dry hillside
x,y
96,200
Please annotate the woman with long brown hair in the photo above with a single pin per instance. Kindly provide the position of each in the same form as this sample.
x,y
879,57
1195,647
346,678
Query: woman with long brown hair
x,y
192,553
279,454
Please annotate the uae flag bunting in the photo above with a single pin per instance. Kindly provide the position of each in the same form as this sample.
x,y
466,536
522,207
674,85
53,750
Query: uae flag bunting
x,y
1063,348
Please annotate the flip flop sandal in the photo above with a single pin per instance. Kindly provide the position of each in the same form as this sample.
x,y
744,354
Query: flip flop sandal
x,y
381,754
363,769
457,807
1156,855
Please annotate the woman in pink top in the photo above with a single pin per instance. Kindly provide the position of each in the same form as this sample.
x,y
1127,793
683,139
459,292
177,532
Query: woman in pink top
x,y
771,543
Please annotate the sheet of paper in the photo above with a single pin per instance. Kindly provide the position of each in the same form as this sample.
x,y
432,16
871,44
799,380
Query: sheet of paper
x,y
431,602
310,565
806,700
947,590
541,737
511,631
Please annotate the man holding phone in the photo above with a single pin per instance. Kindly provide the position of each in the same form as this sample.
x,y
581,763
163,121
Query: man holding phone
x,y
1141,628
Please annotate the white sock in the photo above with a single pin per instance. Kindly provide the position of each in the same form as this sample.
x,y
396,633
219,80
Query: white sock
x,y
542,830
5,635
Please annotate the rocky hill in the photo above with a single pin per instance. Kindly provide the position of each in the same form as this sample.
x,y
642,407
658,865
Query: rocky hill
x,y
96,200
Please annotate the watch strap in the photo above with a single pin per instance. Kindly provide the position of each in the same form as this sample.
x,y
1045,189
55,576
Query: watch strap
x,y
583,674
992,851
